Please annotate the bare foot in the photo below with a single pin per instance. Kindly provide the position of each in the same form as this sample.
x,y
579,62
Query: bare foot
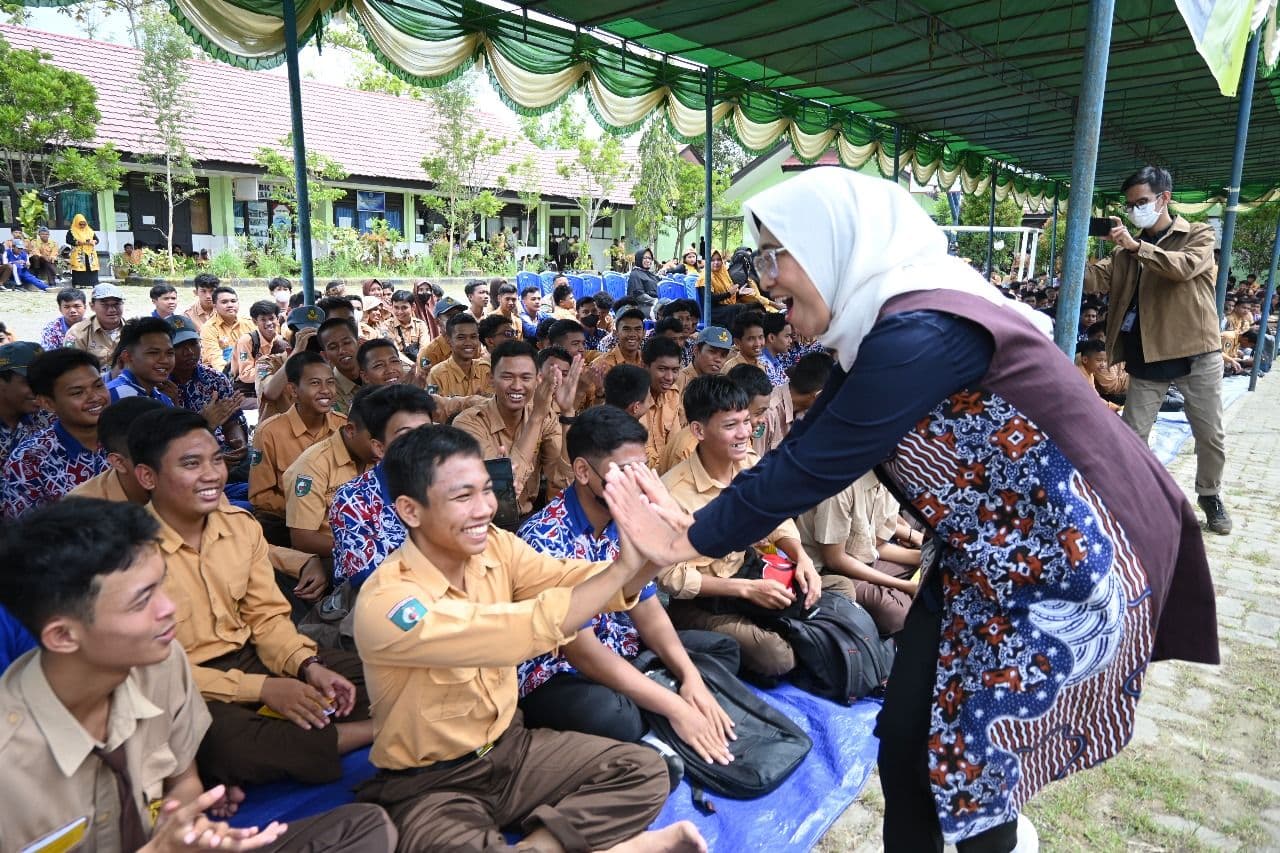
x,y
682,837
230,803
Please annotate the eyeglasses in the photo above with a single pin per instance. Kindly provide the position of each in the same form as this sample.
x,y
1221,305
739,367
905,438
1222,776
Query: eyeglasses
x,y
509,333
766,261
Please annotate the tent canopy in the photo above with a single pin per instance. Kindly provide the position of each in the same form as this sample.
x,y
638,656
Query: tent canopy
x,y
967,84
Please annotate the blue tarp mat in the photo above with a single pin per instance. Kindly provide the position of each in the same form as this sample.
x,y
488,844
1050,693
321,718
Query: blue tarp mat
x,y
1171,429
791,818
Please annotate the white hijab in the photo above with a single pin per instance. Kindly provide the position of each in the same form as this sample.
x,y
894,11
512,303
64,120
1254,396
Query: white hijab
x,y
863,241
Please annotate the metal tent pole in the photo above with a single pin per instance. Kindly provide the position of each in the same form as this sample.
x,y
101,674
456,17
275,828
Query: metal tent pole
x,y
707,167
1237,165
299,152
897,152
1084,159
991,225
1053,233
1260,347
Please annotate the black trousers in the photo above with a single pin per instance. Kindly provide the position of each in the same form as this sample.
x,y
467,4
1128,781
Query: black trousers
x,y
569,702
910,819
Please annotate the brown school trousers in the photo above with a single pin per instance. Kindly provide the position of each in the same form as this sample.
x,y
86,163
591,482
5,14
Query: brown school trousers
x,y
888,607
243,747
588,792
353,828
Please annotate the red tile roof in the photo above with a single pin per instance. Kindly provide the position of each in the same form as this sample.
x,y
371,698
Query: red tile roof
x,y
374,136
830,157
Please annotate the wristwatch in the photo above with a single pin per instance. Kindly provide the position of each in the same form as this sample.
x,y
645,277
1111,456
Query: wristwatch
x,y
568,420
302,667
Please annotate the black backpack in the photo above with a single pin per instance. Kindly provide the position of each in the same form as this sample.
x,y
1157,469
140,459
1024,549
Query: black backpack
x,y
839,652
741,269
769,746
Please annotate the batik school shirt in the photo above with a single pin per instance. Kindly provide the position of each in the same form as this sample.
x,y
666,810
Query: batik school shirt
x,y
197,392
41,419
772,367
44,467
561,529
127,385
54,333
365,526
594,338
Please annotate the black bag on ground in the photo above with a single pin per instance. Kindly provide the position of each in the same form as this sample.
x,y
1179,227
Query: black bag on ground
x,y
752,569
839,652
769,746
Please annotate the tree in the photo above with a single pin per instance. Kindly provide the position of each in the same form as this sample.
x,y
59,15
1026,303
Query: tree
x,y
322,171
89,15
727,154
524,178
457,168
1251,246
690,201
48,120
976,210
163,75
656,190
561,128
597,171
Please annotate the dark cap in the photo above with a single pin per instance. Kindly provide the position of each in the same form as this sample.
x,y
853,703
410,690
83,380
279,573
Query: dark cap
x,y
18,356
183,329
305,317
446,305
716,336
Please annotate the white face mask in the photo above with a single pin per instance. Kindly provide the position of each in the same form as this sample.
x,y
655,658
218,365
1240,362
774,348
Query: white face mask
x,y
1144,215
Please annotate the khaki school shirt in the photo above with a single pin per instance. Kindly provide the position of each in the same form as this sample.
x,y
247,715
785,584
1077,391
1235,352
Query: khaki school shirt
x,y
736,359
436,352
277,444
680,446
226,597
105,486
693,488
664,418
855,517
89,336
440,662
414,334
453,381
610,360
198,315
50,777
310,482
217,336
485,424
346,392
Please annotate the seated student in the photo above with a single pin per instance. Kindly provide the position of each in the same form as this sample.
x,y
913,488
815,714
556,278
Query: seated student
x,y
362,518
777,343
748,337
627,387
463,373
117,482
45,465
146,350
494,329
437,350
280,440
566,307
507,302
272,389
339,343
841,533
71,304
520,420
476,291
442,625
20,413
380,364
1091,360
98,333
541,338
106,716
530,311
588,685
571,335
409,332
233,622
1111,381
164,298
218,336
672,329
263,341
589,315
211,395
688,313
721,423
310,483
629,324
805,380
666,411
712,347
771,410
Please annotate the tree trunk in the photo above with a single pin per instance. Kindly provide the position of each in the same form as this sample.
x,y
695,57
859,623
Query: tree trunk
x,y
168,188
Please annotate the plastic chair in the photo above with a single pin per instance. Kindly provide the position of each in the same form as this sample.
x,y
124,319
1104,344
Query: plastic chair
x,y
575,281
672,290
591,285
525,279
546,278
615,284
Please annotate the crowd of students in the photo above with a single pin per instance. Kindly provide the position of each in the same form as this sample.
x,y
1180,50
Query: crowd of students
x,y
486,665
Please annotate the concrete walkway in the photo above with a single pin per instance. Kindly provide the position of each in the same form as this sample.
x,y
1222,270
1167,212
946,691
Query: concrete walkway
x,y
1203,771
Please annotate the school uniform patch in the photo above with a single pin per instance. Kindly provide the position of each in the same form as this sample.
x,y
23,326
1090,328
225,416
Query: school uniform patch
x,y
407,613
302,487
255,456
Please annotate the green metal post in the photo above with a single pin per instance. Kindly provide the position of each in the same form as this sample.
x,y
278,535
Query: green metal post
x,y
708,167
1237,165
991,224
1053,233
299,151
1260,347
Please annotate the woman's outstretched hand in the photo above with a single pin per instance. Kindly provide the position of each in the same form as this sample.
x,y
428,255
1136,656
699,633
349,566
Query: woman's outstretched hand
x,y
647,514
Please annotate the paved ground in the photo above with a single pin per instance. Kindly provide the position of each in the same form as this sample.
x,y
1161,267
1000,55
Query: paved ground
x,y
1203,772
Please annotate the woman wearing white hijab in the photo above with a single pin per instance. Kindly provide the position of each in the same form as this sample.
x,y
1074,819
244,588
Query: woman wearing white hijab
x,y
1064,551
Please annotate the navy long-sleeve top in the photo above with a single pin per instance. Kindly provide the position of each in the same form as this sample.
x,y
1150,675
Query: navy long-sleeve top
x,y
906,364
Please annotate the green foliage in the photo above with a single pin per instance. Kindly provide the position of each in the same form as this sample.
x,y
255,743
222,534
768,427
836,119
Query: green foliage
x,y
46,115
976,210
656,190
227,263
687,211
1251,246
31,211
727,155
524,178
596,167
89,15
457,168
322,171
559,129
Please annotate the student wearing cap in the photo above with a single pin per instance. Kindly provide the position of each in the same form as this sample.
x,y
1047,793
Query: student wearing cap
x,y
43,256
463,373
310,483
71,304
233,622
18,259
280,440
712,347
409,332
84,253
371,316
438,350
362,516
99,333
202,390
522,421
219,335
666,410
201,310
45,465
146,350
442,624
105,716
272,386
20,412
